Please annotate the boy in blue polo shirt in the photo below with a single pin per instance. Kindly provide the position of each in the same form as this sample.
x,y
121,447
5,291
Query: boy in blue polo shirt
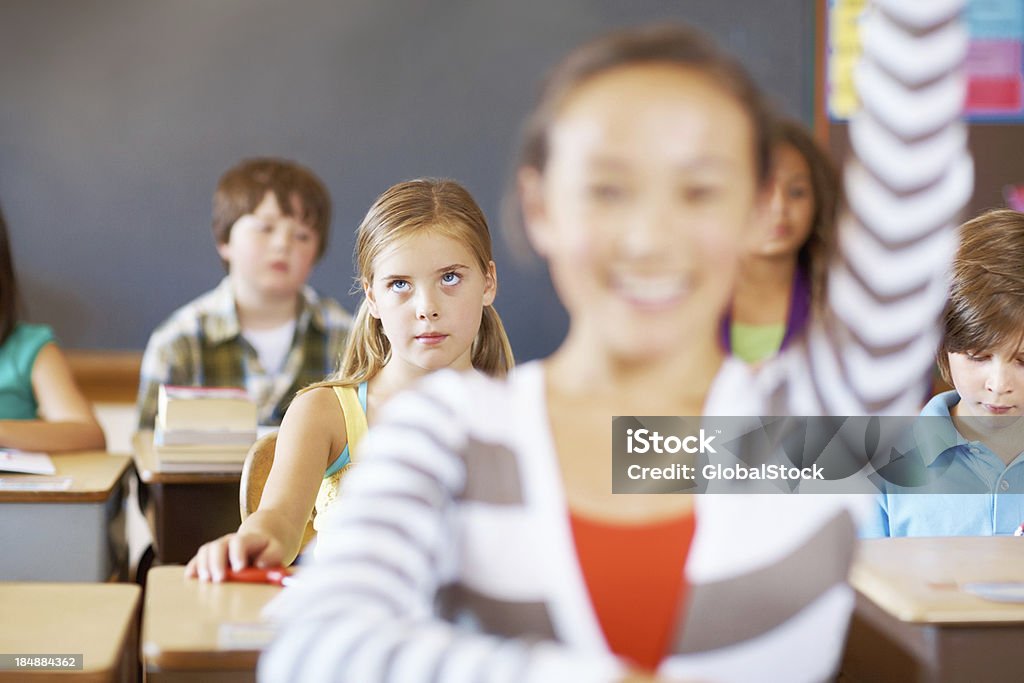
x,y
972,459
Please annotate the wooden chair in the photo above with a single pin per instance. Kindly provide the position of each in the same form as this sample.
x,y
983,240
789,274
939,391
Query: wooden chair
x,y
255,471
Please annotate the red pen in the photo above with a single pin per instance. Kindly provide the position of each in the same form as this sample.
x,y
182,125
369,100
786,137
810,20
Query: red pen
x,y
275,575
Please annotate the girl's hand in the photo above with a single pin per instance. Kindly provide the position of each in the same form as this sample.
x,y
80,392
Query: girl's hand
x,y
243,549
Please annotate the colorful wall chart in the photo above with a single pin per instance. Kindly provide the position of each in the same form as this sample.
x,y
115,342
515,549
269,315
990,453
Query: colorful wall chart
x,y
995,58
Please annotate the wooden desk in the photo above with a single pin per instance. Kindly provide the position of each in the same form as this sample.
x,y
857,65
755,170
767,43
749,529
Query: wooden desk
x,y
97,621
188,627
77,534
184,510
912,623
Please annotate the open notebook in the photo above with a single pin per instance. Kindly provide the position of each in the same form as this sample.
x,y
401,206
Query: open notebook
x,y
25,462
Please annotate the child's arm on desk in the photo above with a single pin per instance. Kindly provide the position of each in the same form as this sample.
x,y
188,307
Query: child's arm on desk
x,y
66,421
312,430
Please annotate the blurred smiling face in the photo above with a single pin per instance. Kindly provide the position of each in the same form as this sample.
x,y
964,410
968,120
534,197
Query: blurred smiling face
x,y
650,183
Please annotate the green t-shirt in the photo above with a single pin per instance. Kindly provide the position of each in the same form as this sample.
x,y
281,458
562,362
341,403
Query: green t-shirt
x,y
755,343
17,357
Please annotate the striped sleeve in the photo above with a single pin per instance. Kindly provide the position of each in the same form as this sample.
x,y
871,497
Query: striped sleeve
x,y
910,177
365,610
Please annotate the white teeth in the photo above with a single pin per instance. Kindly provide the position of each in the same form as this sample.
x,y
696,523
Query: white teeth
x,y
648,289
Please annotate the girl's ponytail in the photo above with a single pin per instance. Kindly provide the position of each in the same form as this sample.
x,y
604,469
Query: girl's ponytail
x,y
492,353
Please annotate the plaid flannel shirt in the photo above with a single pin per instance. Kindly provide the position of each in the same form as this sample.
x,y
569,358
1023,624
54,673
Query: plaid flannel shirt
x,y
201,344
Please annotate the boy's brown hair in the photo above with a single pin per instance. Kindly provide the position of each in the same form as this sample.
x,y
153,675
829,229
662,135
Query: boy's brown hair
x,y
298,191
986,300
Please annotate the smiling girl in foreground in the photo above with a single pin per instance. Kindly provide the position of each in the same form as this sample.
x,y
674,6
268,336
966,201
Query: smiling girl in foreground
x,y
423,253
480,540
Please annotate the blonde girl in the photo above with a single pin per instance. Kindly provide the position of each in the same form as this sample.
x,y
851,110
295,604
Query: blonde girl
x,y
423,255
480,540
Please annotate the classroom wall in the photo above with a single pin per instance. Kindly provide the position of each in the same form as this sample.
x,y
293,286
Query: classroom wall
x,y
117,117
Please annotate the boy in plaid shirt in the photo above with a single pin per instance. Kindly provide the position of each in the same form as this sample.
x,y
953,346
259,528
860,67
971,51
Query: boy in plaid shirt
x,y
262,328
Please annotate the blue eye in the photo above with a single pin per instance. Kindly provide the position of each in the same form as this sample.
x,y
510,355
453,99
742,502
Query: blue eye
x,y
398,286
451,278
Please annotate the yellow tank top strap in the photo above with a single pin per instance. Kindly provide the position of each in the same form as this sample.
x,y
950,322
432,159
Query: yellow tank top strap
x,y
355,418
355,429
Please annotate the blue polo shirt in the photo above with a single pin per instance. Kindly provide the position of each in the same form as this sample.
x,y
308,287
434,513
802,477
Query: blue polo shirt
x,y
996,508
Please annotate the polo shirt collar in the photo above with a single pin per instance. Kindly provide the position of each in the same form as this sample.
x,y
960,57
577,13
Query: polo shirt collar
x,y
934,436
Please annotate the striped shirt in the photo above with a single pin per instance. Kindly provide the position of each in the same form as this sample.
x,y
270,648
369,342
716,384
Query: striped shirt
x,y
449,555
201,344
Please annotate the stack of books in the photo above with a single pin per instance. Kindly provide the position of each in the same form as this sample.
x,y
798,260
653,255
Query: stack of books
x,y
203,429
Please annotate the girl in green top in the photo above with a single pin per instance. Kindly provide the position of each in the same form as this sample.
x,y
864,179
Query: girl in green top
x,y
41,408
782,277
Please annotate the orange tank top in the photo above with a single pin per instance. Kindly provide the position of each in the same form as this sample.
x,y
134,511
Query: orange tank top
x,y
634,575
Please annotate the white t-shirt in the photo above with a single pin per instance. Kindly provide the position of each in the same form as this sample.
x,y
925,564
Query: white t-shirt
x,y
271,345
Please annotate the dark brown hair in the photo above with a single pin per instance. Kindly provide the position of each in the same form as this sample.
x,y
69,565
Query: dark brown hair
x,y
8,285
816,253
672,44
298,191
986,300
659,44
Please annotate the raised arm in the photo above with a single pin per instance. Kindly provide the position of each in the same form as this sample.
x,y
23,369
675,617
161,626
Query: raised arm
x,y
910,178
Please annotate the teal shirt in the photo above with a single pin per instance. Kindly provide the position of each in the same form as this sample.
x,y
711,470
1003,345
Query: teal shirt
x,y
17,358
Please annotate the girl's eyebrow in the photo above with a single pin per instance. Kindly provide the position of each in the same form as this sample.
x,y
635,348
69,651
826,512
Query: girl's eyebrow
x,y
454,266
443,269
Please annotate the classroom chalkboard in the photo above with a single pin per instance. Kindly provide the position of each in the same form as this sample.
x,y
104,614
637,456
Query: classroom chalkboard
x,y
118,116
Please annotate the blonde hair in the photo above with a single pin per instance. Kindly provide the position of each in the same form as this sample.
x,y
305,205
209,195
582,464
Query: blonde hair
x,y
443,207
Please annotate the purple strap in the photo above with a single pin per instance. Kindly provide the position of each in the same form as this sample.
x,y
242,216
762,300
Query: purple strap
x,y
796,320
